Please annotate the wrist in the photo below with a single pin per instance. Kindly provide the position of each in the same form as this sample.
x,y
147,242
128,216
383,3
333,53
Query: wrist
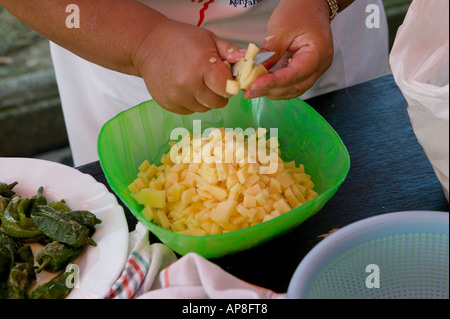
x,y
337,6
334,8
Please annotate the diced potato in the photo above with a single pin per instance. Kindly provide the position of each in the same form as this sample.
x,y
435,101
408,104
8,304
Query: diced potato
x,y
284,179
133,188
249,201
174,193
282,206
145,164
223,211
232,87
213,197
178,226
293,201
275,186
221,172
147,212
152,198
218,192
247,212
252,50
186,197
242,175
165,223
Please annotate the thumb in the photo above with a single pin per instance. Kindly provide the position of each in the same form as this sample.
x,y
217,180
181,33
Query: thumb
x,y
229,51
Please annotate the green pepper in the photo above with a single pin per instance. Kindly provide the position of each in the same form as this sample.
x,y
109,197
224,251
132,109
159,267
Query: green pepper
x,y
3,203
6,263
60,206
15,224
66,231
56,288
55,256
22,213
8,248
37,200
20,279
83,217
24,254
7,190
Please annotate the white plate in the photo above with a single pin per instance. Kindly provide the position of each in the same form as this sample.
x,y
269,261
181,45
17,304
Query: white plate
x,y
99,266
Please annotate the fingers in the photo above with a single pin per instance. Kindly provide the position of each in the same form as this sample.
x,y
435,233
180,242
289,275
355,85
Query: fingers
x,y
229,51
295,74
217,73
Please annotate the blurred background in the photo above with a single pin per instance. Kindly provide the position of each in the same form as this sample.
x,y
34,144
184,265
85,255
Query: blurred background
x,y
31,119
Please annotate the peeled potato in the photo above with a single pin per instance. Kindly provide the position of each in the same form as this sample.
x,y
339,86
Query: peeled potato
x,y
246,71
218,196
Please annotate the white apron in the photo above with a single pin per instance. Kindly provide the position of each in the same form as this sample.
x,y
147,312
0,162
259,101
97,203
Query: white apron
x,y
91,94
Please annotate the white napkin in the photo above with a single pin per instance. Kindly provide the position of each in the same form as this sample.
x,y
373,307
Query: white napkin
x,y
153,271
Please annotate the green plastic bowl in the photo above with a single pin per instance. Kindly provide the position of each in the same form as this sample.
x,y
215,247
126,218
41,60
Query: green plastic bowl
x,y
143,132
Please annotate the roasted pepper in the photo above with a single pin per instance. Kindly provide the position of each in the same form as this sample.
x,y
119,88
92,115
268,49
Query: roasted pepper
x,y
60,206
24,254
84,218
20,279
8,249
14,222
6,263
3,204
37,200
7,190
55,256
56,288
66,231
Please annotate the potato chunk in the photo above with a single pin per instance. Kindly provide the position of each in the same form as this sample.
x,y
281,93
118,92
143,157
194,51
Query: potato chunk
x,y
245,72
209,198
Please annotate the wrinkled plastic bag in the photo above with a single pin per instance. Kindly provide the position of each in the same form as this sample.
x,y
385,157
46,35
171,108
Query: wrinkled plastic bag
x,y
420,65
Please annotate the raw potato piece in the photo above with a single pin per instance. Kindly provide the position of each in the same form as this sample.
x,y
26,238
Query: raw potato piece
x,y
211,198
246,71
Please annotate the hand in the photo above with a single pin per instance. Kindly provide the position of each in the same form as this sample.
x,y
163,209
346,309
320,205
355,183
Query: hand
x,y
183,68
299,32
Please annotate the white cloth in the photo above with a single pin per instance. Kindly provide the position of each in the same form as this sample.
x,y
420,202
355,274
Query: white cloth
x,y
152,271
91,94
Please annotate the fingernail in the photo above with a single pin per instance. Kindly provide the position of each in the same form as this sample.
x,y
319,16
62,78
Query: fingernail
x,y
250,94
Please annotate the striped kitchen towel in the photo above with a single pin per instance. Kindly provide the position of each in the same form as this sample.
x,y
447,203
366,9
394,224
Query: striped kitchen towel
x,y
142,267
152,271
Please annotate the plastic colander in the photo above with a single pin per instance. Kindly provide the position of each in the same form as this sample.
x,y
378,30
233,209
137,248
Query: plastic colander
x,y
403,255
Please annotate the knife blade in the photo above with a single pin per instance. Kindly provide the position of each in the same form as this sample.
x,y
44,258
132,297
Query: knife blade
x,y
259,58
263,56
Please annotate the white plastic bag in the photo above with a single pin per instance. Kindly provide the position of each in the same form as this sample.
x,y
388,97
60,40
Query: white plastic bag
x,y
420,65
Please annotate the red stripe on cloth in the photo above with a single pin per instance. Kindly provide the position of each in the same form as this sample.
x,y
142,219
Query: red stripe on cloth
x,y
137,268
166,277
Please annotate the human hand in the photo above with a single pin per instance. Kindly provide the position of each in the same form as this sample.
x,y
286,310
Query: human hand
x,y
183,67
300,34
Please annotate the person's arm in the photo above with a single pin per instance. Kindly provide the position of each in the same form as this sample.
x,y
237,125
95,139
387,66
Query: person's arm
x,y
173,58
299,32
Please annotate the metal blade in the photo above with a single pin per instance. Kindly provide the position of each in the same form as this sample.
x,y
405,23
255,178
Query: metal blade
x,y
261,57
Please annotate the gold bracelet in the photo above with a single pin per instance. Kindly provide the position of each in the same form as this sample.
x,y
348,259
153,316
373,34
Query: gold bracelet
x,y
334,8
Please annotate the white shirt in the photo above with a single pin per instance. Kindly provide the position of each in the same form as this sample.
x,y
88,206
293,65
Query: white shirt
x,y
91,94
